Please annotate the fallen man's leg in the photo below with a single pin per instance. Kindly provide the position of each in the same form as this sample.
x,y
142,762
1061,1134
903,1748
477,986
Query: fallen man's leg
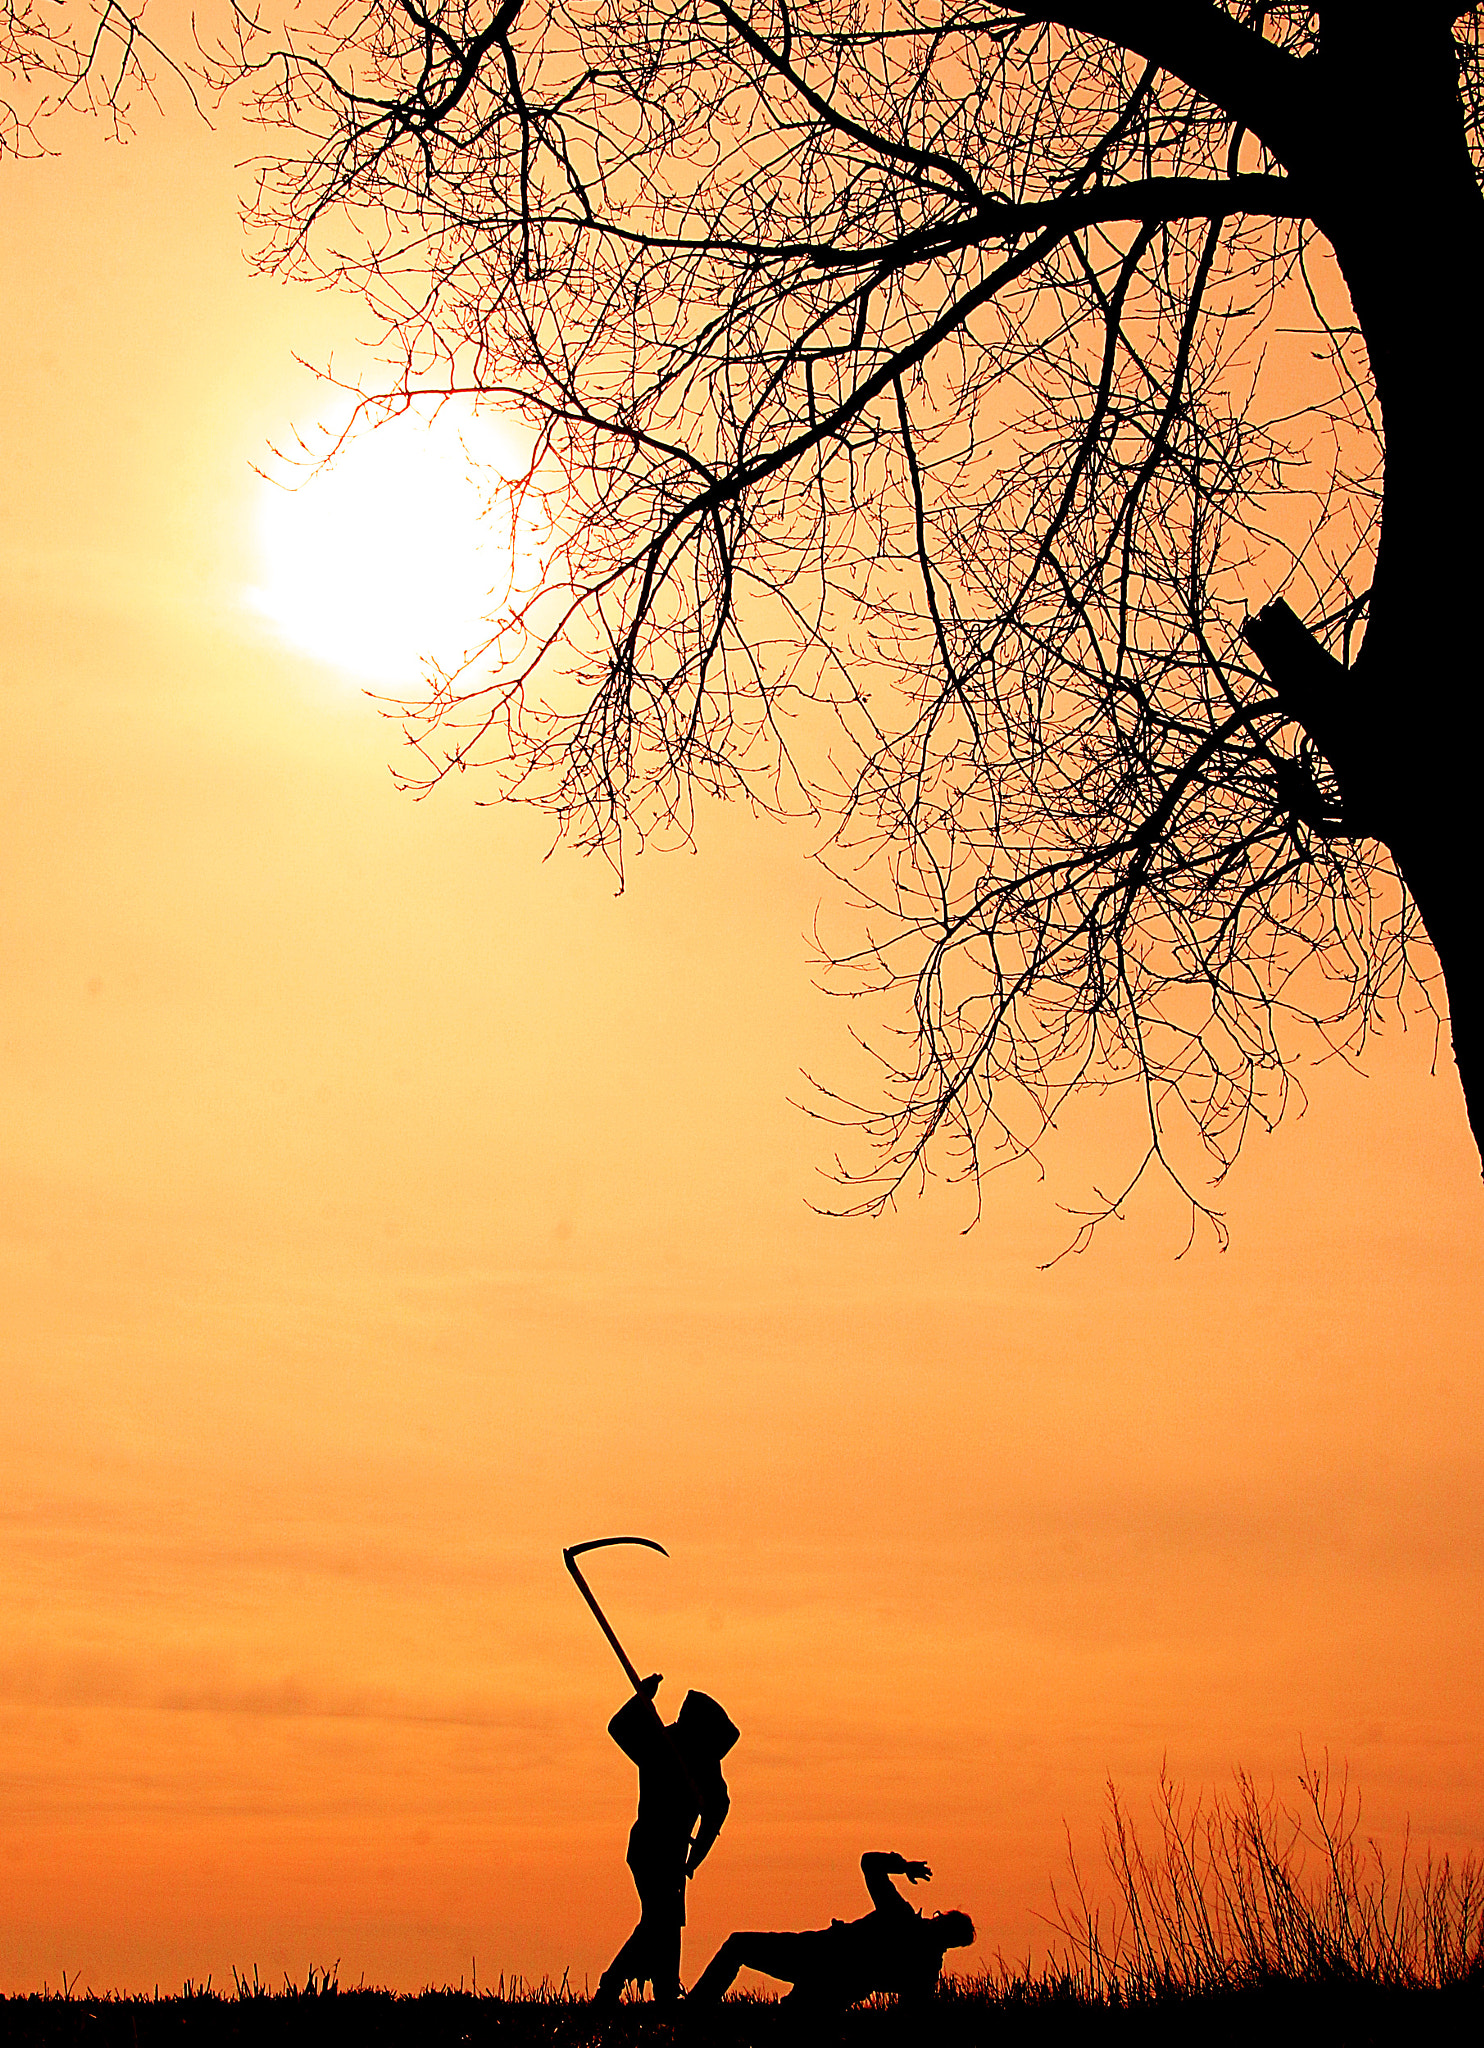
x,y
798,1959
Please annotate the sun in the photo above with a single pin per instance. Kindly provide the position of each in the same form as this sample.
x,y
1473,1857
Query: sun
x,y
383,560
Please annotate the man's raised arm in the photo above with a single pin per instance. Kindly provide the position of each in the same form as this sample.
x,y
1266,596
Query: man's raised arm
x,y
636,1727
878,1867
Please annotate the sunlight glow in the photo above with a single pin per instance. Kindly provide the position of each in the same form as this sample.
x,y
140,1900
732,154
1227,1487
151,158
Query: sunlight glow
x,y
384,559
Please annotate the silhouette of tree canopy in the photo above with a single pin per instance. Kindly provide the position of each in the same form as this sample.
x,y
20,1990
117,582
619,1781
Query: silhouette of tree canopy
x,y
1042,441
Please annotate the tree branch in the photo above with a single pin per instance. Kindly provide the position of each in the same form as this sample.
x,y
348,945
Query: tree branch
x,y
1314,689
1263,87
923,160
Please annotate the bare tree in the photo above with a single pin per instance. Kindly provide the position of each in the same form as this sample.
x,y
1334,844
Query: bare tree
x,y
1044,441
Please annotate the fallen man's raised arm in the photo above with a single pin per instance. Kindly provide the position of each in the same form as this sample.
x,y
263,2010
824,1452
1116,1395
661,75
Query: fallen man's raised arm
x,y
879,1866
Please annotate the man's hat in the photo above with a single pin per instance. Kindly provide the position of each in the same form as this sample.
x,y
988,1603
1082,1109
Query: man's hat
x,y
706,1725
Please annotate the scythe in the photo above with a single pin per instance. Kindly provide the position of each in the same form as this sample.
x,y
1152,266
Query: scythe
x,y
569,1559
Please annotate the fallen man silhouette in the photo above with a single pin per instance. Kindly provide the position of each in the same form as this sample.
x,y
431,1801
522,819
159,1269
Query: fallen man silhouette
x,y
893,1948
680,1782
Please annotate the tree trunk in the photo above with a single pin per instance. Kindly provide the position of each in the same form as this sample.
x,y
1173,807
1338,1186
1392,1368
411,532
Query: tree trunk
x,y
1412,756
1398,198
1414,750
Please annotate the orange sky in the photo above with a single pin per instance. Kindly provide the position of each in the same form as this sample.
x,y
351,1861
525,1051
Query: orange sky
x,y
382,1208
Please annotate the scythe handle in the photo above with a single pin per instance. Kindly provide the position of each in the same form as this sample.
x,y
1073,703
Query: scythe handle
x,y
602,1620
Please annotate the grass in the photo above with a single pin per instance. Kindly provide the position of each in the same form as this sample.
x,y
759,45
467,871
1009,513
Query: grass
x,y
1240,1920
1242,1891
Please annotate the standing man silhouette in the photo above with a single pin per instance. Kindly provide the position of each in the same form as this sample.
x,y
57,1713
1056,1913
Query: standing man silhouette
x,y
680,1782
